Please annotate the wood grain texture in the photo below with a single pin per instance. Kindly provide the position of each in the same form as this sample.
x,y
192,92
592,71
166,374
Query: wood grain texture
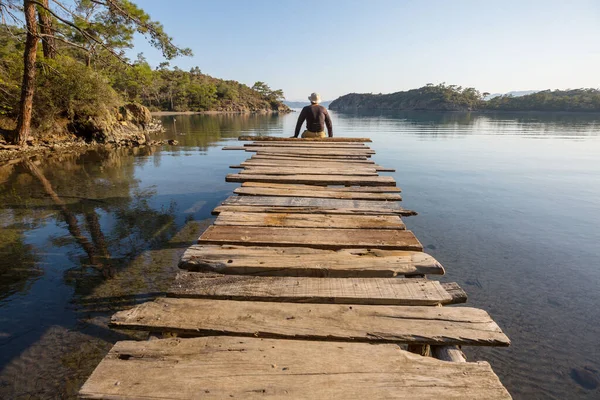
x,y
308,163
306,210
360,323
318,238
320,151
307,156
339,194
310,220
329,145
448,353
308,171
249,368
303,261
369,189
371,291
353,206
315,179
287,139
271,157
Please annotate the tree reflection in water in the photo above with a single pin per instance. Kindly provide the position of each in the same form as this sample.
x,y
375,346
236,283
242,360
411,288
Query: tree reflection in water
x,y
85,219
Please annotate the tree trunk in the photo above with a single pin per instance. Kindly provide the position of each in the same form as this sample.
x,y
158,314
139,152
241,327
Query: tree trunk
x,y
28,86
47,30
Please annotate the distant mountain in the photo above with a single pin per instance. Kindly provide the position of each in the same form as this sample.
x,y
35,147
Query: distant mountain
x,y
300,104
514,93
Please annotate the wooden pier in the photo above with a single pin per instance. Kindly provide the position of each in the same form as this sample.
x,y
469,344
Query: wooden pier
x,y
307,286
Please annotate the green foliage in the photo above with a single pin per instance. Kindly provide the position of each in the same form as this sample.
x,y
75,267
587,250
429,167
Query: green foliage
x,y
444,97
584,100
11,71
69,90
430,97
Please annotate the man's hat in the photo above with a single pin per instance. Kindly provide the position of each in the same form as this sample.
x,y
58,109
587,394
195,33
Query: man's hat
x,y
315,98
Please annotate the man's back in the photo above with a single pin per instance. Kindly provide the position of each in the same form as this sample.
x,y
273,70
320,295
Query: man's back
x,y
316,117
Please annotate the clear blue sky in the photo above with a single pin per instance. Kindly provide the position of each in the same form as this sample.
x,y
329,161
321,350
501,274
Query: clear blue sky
x,y
338,47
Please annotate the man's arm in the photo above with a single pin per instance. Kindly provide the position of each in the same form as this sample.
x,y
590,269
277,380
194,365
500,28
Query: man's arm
x,y
328,124
301,119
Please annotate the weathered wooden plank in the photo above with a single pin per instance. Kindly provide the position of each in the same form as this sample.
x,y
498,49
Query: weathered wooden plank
x,y
307,210
303,261
318,238
368,189
287,139
307,171
448,353
338,157
319,156
250,368
345,160
313,151
310,220
357,206
262,191
333,145
315,179
309,163
250,163
373,291
457,293
359,323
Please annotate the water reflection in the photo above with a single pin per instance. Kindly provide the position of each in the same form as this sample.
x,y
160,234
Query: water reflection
x,y
425,123
85,234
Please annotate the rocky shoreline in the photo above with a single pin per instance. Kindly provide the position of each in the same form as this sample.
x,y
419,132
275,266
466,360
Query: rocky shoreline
x,y
131,126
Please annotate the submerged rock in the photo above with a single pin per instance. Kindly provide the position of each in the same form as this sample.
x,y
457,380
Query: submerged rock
x,y
586,377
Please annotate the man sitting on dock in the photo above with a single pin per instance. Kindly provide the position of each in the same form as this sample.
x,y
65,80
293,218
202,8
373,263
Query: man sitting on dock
x,y
316,117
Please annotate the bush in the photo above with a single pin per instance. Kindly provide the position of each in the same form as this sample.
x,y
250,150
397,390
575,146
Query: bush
x,y
68,90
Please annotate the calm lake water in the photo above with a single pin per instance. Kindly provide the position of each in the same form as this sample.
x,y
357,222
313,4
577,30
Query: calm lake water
x,y
510,204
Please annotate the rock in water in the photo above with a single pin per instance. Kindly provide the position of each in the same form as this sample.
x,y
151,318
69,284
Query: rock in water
x,y
585,377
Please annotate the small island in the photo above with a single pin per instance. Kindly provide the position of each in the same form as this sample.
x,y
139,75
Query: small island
x,y
444,97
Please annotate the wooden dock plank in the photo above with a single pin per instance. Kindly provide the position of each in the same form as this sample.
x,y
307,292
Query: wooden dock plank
x,y
368,189
266,191
315,179
303,261
309,163
306,210
278,157
287,139
356,323
343,206
316,238
308,171
372,291
330,145
318,156
321,151
310,220
249,368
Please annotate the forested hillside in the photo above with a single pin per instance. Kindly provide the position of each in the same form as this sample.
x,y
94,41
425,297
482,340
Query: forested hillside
x,y
78,80
440,97
455,98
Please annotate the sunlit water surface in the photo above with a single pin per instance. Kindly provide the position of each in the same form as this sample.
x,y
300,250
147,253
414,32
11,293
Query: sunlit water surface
x,y
510,204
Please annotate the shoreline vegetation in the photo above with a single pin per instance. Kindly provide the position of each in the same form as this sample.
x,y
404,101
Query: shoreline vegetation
x,y
444,97
65,79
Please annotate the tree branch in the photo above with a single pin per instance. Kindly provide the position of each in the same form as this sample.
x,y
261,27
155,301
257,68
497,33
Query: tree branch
x,y
81,31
